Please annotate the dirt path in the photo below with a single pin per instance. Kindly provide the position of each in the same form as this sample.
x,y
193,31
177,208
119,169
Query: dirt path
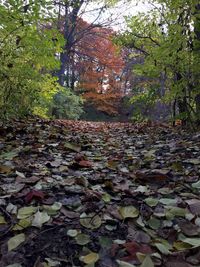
x,y
98,194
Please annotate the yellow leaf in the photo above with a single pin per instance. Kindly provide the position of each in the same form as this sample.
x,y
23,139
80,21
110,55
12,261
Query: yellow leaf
x,y
90,258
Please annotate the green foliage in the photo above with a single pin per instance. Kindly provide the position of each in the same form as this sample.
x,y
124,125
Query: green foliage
x,y
167,39
27,55
143,100
66,105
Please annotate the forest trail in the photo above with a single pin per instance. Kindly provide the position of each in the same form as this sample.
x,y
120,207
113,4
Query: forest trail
x,y
99,194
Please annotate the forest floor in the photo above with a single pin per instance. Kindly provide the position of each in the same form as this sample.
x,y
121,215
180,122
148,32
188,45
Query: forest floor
x,y
98,194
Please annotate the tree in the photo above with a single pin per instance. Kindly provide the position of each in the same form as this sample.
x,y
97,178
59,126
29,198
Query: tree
x,y
100,71
196,50
165,38
69,19
27,57
29,45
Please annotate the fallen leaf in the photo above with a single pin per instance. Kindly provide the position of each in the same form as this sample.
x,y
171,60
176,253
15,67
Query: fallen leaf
x,y
124,264
5,169
194,242
147,262
22,224
72,232
91,220
196,185
85,164
38,195
189,228
194,205
26,212
152,202
72,147
163,246
2,220
152,177
128,212
40,218
53,209
90,258
154,223
133,248
168,201
82,239
15,241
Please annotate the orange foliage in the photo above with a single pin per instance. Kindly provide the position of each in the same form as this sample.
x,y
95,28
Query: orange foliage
x,y
100,67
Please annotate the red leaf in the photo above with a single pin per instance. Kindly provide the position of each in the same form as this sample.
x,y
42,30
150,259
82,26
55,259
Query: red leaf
x,y
38,195
133,248
114,249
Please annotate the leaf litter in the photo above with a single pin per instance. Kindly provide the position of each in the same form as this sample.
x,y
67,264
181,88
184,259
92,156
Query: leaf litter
x,y
99,194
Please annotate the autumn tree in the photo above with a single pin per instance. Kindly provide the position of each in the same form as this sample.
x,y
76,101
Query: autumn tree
x,y
100,71
70,15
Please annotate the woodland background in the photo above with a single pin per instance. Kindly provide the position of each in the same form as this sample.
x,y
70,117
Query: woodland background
x,y
55,64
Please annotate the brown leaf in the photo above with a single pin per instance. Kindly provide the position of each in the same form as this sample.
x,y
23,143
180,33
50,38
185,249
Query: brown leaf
x,y
69,214
29,180
189,228
5,169
152,177
85,164
194,205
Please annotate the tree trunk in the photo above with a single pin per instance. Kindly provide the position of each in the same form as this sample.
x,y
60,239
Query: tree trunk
x,y
196,54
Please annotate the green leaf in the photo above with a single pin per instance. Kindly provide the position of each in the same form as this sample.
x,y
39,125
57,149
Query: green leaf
x,y
168,201
15,241
72,232
22,224
26,212
194,242
196,185
9,155
40,218
82,239
152,202
163,246
106,198
105,242
53,209
177,211
147,262
91,221
128,212
154,223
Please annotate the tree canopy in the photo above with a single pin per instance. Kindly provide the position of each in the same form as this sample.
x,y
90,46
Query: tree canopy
x,y
167,37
